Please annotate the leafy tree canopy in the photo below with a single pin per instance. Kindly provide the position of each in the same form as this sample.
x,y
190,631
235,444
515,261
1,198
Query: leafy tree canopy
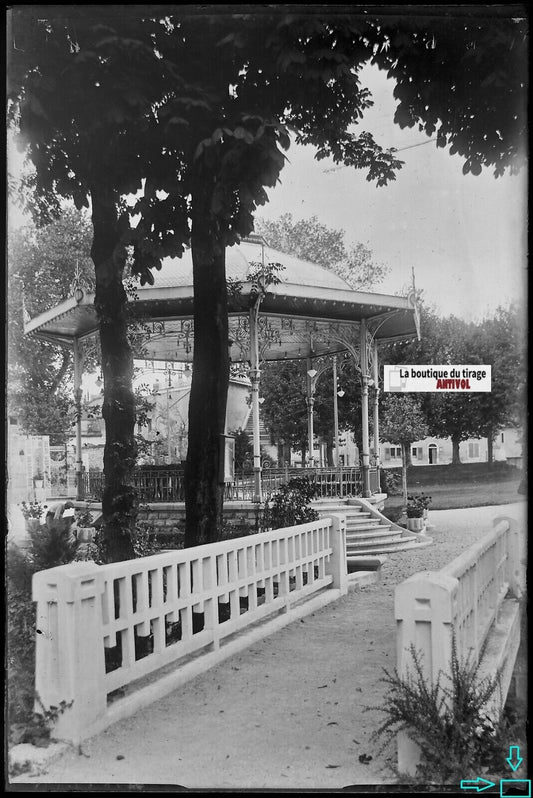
x,y
41,269
498,341
402,421
311,240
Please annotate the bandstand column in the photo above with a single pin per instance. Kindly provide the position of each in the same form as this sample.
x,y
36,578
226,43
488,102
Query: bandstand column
x,y
77,400
255,375
335,412
376,410
364,410
310,406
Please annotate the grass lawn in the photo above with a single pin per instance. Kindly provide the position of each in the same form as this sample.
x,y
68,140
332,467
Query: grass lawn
x,y
465,485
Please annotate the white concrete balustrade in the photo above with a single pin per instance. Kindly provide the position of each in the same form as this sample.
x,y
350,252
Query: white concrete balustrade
x,y
101,628
474,600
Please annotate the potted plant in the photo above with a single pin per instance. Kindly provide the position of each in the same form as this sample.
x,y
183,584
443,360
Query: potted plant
x,y
32,512
417,506
38,480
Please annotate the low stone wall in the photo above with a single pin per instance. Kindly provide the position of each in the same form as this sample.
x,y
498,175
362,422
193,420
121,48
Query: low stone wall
x,y
168,519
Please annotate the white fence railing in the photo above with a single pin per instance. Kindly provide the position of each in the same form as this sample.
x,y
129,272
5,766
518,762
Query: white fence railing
x,y
467,600
101,628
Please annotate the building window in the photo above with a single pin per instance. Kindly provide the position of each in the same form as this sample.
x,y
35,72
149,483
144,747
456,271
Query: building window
x,y
414,451
473,450
395,452
502,437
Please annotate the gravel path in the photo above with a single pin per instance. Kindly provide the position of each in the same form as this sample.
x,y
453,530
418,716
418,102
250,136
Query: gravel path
x,y
287,713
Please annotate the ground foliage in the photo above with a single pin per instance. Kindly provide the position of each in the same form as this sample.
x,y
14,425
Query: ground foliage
x,y
447,720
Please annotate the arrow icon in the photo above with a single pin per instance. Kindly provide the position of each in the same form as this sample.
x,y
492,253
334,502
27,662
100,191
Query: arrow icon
x,y
478,784
514,759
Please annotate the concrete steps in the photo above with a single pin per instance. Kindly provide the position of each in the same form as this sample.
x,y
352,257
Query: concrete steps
x,y
369,535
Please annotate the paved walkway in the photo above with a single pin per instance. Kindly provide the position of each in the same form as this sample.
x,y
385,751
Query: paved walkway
x,y
289,712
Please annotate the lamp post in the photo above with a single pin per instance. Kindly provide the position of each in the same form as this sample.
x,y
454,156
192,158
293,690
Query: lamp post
x,y
168,371
310,399
364,410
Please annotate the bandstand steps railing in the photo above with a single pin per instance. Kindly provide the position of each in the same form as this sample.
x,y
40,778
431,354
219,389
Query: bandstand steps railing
x,y
368,532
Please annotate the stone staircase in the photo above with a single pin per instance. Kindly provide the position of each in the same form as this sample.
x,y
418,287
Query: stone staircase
x,y
369,535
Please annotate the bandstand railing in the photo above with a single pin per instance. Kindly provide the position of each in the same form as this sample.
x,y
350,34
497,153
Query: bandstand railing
x,y
166,485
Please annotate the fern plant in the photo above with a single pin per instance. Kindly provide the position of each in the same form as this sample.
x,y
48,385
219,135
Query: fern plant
x,y
448,720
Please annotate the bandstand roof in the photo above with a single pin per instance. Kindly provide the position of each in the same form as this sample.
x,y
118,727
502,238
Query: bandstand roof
x,y
310,312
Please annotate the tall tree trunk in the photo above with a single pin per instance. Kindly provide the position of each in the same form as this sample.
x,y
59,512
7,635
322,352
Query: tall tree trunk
x,y
490,446
456,457
204,490
119,501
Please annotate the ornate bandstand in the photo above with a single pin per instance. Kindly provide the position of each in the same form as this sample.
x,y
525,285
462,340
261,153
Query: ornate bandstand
x,y
280,307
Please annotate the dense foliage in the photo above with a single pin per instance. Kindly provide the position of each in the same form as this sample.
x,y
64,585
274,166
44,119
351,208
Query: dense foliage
x,y
290,504
42,262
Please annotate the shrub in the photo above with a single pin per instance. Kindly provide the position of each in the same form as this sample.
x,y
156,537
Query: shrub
x,y
290,504
448,722
390,482
51,546
20,641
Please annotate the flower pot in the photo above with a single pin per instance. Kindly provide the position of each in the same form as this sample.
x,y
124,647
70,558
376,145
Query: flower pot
x,y
415,524
39,483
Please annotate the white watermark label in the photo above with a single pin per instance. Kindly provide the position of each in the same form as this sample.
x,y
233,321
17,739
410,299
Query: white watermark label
x,y
423,379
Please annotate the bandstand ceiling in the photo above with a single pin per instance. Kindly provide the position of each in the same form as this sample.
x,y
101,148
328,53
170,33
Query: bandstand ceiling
x,y
310,312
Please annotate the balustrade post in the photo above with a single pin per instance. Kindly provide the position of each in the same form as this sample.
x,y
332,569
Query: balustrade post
x,y
69,655
337,564
424,611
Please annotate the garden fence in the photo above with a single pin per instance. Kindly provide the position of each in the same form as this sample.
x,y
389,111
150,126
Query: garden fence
x,y
473,601
102,628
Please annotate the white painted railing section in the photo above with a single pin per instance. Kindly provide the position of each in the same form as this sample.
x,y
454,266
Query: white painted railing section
x,y
100,628
474,599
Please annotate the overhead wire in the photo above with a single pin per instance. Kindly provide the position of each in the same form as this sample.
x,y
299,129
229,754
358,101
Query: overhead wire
x,y
400,149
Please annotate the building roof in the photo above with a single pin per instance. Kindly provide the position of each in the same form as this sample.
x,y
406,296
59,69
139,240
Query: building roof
x,y
311,311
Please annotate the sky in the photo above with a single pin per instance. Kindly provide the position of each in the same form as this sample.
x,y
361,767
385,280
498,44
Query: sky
x,y
465,236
